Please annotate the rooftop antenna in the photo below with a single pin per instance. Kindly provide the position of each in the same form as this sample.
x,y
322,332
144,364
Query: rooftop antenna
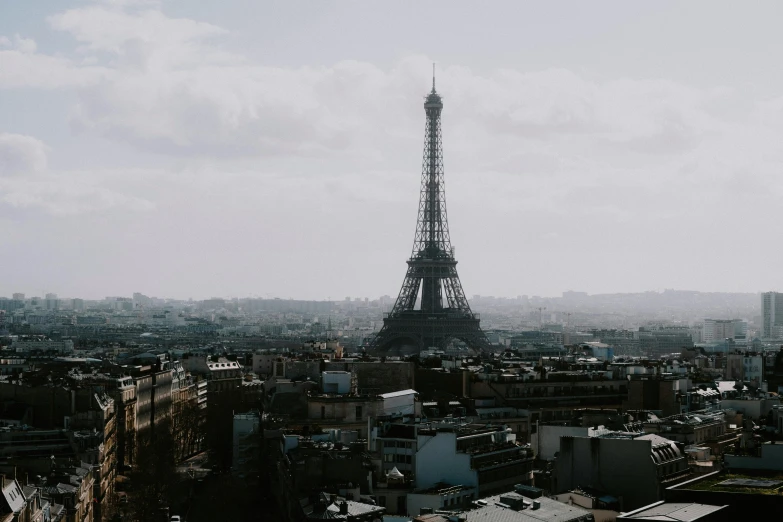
x,y
433,77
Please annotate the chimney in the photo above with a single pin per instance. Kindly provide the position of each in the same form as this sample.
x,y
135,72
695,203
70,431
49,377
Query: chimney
x,y
344,508
536,504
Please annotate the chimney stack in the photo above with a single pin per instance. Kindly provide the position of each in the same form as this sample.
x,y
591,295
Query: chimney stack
x,y
344,508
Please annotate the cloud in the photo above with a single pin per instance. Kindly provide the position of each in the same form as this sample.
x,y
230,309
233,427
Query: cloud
x,y
210,140
24,45
27,183
21,155
28,69
65,198
171,86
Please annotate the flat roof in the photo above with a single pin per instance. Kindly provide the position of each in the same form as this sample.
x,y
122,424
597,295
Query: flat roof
x,y
442,489
738,483
493,509
672,512
398,393
750,483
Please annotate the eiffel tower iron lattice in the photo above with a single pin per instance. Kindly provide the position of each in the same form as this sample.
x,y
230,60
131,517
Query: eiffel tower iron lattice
x,y
444,313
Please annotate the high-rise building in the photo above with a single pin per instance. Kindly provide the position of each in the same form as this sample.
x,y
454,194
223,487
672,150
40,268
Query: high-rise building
x,y
721,329
18,296
771,314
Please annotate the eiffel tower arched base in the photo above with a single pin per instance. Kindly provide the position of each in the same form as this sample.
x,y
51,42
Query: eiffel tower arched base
x,y
414,331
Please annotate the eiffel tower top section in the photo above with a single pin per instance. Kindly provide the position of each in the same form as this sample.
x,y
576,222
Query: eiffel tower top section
x,y
432,228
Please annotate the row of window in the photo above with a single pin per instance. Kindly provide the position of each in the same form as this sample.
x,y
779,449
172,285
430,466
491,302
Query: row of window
x,y
358,412
397,458
397,444
558,391
505,472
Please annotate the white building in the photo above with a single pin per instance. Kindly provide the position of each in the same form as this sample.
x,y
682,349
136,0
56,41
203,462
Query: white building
x,y
336,382
399,403
772,315
485,457
62,347
721,329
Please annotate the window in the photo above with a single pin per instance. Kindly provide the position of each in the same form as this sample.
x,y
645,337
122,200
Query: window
x,y
323,412
358,412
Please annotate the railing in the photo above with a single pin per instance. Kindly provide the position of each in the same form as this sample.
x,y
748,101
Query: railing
x,y
491,448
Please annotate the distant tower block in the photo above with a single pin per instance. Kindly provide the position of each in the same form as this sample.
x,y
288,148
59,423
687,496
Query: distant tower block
x,y
444,313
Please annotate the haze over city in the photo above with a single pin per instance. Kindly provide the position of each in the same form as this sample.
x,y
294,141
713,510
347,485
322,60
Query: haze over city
x,y
244,148
443,261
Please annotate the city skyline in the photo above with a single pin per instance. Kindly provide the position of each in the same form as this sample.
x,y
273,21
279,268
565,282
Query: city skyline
x,y
188,152
388,297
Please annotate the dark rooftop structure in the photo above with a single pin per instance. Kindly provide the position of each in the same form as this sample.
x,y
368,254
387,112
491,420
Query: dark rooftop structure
x,y
332,507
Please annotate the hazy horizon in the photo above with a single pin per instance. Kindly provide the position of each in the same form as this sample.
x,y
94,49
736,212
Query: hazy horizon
x,y
96,297
182,148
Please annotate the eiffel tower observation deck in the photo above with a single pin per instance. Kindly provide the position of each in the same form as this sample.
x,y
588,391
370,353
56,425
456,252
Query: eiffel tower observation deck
x,y
443,313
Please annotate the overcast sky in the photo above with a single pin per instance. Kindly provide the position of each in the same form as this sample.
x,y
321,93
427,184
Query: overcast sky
x,y
189,148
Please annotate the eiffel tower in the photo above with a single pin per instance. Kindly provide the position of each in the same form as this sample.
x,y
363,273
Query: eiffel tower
x,y
444,313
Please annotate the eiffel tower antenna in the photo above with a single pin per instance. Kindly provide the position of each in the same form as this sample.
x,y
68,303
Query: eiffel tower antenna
x,y
444,313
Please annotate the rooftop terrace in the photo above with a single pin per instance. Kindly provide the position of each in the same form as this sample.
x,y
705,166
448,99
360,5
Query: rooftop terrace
x,y
742,483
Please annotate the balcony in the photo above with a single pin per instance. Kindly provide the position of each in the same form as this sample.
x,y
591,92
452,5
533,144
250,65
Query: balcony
x,y
406,484
494,447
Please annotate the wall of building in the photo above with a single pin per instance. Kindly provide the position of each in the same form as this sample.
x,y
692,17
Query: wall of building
x,y
437,461
336,382
303,369
263,363
372,377
620,467
753,408
245,426
546,441
455,383
381,377
50,404
343,410
656,394
400,404
771,459
436,501
394,500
